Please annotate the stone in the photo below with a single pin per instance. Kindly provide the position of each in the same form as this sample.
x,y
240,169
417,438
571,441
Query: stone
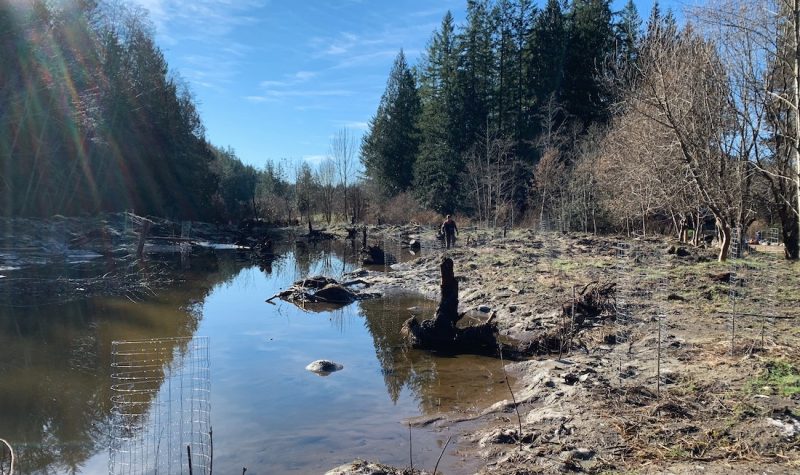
x,y
583,453
324,367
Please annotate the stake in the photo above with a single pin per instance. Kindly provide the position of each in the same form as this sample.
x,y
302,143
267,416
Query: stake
x,y
514,399
658,363
561,343
189,456
211,444
572,323
733,325
441,454
410,453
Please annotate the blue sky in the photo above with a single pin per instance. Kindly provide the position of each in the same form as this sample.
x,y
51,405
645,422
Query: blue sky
x,y
276,79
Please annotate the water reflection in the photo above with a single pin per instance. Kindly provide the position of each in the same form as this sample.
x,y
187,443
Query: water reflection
x,y
268,412
55,364
439,383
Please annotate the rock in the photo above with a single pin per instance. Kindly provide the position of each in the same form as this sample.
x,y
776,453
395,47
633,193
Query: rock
x,y
484,308
324,367
723,277
682,252
671,249
362,467
571,378
583,453
414,245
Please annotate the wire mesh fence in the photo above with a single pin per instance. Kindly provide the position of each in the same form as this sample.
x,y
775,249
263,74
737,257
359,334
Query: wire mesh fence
x,y
161,407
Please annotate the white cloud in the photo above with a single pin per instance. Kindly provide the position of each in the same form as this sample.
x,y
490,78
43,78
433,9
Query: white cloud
x,y
314,159
259,99
210,23
352,124
304,75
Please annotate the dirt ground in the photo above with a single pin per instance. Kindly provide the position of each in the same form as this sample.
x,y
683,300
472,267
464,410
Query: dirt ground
x,y
694,374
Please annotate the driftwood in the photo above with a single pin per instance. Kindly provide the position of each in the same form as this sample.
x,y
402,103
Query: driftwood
x,y
595,301
322,290
442,332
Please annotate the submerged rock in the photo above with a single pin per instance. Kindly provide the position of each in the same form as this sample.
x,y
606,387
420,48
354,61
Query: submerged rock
x,y
324,367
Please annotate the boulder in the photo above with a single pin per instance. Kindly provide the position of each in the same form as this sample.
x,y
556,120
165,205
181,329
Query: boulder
x,y
324,367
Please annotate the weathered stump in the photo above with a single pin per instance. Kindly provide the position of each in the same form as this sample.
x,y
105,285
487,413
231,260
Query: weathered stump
x,y
441,332
375,256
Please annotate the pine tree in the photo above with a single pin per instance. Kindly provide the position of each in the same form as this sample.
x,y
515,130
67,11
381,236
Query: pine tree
x,y
544,54
628,35
475,73
391,144
439,164
590,47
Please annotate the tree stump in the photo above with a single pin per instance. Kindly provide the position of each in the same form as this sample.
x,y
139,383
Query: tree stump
x,y
441,332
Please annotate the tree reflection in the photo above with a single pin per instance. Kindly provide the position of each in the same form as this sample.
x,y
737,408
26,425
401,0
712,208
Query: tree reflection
x,y
438,382
55,365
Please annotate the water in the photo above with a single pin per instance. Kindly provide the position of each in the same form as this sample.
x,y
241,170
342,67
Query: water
x,y
268,413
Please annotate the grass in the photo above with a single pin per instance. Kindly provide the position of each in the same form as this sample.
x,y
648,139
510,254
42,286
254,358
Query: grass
x,y
782,377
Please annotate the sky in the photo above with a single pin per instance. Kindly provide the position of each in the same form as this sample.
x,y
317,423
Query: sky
x,y
276,79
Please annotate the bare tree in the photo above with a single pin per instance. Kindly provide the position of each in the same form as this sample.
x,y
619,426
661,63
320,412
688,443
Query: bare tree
x,y
549,178
683,86
760,41
343,149
490,170
326,177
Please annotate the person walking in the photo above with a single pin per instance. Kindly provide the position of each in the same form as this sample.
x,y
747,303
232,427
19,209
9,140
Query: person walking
x,y
450,230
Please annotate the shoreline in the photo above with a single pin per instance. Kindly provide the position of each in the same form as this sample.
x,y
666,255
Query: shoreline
x,y
577,412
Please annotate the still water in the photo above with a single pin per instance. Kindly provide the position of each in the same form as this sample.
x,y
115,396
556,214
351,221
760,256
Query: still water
x,y
268,413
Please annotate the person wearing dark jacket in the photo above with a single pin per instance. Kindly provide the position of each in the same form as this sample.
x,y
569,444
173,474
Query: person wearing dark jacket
x,y
449,230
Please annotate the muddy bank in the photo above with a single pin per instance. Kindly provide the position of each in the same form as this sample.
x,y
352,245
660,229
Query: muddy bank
x,y
674,382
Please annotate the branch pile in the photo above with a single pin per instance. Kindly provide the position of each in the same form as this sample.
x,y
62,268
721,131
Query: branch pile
x,y
324,290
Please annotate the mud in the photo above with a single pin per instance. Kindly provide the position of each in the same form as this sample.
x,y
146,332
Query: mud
x,y
678,382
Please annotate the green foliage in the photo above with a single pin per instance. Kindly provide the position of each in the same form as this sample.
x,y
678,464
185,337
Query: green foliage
x,y
591,42
439,164
91,118
512,72
781,376
390,147
545,53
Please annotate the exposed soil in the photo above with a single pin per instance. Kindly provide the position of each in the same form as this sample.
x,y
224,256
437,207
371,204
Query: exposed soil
x,y
728,396
727,401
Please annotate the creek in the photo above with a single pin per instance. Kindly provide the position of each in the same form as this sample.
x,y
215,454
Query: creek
x,y
267,412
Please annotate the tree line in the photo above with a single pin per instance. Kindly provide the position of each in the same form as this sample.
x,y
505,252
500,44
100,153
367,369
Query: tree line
x,y
578,117
93,120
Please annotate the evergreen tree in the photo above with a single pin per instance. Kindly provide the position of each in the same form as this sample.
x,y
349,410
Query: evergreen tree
x,y
513,20
439,165
628,35
475,73
544,54
391,144
590,47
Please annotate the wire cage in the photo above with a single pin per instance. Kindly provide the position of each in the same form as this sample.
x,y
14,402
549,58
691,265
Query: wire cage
x,y
161,407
